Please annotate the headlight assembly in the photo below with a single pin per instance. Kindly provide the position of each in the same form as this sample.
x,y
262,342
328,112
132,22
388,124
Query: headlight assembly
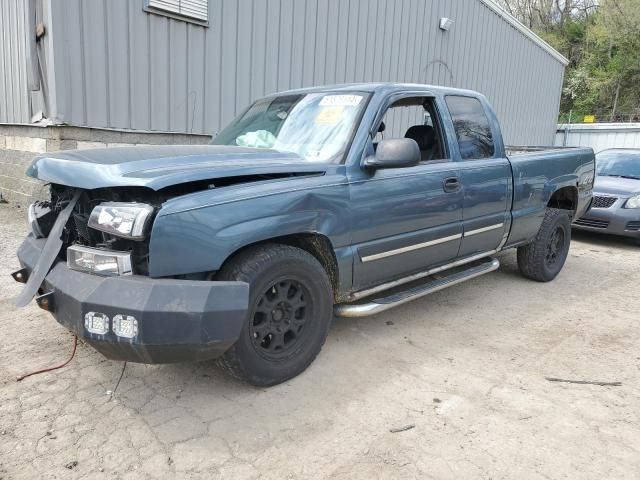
x,y
127,220
98,261
633,202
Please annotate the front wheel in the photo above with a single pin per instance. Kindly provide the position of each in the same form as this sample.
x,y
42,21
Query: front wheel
x,y
543,259
290,312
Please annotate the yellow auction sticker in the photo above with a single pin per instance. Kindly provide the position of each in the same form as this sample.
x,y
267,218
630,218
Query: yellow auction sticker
x,y
329,115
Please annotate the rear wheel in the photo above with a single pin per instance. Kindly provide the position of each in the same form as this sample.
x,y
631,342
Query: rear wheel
x,y
543,259
290,312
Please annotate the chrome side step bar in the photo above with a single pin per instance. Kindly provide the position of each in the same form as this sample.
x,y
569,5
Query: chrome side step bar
x,y
381,304
416,276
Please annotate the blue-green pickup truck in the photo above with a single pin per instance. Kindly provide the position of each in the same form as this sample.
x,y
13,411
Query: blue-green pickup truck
x,y
344,200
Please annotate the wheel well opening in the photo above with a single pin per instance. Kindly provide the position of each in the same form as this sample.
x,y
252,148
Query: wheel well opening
x,y
320,247
317,245
565,198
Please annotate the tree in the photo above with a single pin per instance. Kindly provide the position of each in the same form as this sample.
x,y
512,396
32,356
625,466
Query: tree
x,y
601,39
546,14
620,20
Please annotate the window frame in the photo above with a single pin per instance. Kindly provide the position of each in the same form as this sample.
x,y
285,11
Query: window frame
x,y
438,121
147,7
495,153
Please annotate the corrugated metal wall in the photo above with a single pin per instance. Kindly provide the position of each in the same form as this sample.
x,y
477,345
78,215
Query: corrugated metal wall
x,y
24,75
14,85
121,67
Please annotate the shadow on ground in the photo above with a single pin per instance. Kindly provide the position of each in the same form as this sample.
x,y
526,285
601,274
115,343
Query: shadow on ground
x,y
463,369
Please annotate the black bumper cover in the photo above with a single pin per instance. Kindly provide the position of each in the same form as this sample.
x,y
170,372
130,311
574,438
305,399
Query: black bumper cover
x,y
178,320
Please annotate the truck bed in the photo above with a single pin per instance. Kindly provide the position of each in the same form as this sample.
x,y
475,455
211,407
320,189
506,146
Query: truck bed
x,y
538,171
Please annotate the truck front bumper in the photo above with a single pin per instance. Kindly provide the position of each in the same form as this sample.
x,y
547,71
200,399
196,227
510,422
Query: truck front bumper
x,y
177,320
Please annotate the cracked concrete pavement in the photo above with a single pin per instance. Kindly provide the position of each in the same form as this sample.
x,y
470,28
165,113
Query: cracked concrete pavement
x,y
466,366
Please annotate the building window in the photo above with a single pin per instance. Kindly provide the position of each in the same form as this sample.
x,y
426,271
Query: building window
x,y
197,10
475,140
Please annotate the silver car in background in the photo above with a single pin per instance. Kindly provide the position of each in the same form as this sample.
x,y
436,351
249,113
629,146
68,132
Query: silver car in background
x,y
616,194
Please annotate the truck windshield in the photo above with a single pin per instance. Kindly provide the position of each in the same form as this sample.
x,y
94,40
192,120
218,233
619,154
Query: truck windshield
x,y
619,164
316,126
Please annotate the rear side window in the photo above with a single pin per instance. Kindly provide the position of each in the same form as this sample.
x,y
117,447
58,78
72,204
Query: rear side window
x,y
472,127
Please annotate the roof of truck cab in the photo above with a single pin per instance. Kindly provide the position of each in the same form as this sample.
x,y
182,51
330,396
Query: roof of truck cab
x,y
378,88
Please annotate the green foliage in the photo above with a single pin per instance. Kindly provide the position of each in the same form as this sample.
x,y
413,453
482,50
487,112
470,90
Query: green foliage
x,y
603,48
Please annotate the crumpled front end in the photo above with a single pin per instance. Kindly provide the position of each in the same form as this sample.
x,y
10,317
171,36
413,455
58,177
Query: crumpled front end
x,y
123,313
140,319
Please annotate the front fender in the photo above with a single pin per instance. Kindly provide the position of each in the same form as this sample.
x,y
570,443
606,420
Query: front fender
x,y
201,239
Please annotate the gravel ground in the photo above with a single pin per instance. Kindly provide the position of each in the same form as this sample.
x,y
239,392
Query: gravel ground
x,y
465,367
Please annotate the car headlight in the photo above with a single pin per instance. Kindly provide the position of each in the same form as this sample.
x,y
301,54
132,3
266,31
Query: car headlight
x,y
98,261
128,220
633,202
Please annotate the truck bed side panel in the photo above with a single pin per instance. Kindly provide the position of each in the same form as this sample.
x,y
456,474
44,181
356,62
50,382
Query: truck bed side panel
x,y
536,176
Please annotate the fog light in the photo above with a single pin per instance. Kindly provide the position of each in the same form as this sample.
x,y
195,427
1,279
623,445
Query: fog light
x,y
96,322
125,326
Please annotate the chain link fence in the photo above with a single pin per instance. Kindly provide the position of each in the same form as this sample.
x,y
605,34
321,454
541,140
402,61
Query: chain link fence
x,y
602,116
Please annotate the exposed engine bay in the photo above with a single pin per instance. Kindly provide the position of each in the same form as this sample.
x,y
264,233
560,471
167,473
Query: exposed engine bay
x,y
76,231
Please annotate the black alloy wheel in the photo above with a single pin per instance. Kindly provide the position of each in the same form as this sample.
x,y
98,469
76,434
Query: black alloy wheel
x,y
280,318
544,257
290,312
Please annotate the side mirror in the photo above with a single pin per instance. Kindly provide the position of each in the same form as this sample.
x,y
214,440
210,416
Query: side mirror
x,y
395,153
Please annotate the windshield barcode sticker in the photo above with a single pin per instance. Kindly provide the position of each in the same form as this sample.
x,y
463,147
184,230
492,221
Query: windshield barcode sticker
x,y
341,101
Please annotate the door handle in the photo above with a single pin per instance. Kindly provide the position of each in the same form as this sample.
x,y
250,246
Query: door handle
x,y
451,184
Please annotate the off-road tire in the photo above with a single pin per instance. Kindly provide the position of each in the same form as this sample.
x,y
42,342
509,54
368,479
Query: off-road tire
x,y
264,268
534,258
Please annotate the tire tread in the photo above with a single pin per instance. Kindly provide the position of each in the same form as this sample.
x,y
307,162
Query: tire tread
x,y
531,256
246,266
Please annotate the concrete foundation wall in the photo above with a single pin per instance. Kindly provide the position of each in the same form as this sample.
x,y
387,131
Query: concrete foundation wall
x,y
20,143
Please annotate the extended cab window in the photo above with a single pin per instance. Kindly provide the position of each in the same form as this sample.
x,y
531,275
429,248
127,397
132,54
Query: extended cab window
x,y
473,132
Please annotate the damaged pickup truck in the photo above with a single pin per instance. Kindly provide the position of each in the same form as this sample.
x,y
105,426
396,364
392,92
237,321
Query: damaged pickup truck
x,y
344,200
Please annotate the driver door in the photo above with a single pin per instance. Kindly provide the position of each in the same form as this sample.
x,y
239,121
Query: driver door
x,y
406,219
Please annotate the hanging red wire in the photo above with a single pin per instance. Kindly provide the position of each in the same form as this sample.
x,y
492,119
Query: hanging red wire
x,y
73,353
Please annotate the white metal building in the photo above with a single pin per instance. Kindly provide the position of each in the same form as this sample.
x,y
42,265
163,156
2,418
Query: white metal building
x,y
190,65
599,136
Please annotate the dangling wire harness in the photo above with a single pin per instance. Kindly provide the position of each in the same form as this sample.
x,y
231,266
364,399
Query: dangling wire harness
x,y
44,370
